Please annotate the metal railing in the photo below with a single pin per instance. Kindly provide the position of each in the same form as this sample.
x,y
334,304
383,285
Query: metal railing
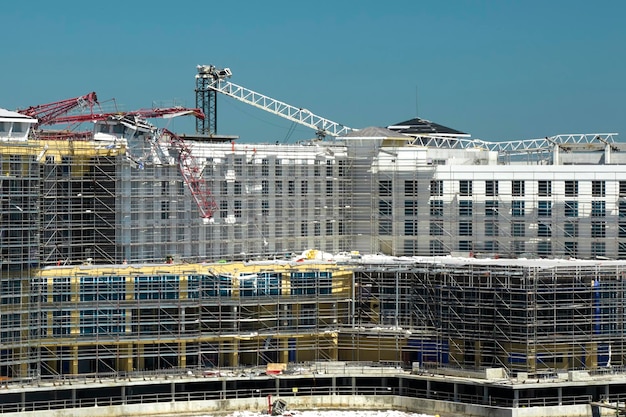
x,y
284,392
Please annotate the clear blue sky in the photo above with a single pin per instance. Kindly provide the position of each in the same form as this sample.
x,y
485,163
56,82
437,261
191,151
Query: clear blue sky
x,y
499,70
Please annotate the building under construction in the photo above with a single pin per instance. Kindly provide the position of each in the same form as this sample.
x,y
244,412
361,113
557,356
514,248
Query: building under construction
x,y
129,248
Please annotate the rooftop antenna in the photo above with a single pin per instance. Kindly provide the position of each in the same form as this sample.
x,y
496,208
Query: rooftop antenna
x,y
416,103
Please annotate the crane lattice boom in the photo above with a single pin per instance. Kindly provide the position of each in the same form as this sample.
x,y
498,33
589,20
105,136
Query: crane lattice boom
x,y
322,126
48,113
192,174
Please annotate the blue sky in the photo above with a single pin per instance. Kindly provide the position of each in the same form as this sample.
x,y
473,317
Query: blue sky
x,y
499,70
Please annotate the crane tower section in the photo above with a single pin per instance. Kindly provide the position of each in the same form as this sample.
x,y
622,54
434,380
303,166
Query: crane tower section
x,y
214,79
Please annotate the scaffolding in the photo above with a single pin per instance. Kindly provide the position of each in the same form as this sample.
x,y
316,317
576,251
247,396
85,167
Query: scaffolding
x,y
523,316
109,320
108,266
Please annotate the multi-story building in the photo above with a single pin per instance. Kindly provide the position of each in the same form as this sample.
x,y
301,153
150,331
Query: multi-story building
x,y
107,264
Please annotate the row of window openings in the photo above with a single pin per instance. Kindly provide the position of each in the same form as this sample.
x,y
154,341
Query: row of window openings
x,y
279,189
518,208
279,168
518,188
518,229
437,247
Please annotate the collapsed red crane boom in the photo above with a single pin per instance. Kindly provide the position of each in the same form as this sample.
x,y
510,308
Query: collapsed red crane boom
x,y
192,174
165,112
48,113
56,113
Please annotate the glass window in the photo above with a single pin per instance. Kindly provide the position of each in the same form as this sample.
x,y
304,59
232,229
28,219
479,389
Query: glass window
x,y
518,229
570,229
492,228
465,208
491,246
491,188
571,249
410,188
465,245
598,229
436,207
410,227
436,228
518,247
544,188
465,188
436,247
598,249
544,230
465,228
384,188
544,248
598,209
571,188
491,208
571,209
598,189
518,208
518,188
384,208
544,208
384,227
410,208
622,188
436,188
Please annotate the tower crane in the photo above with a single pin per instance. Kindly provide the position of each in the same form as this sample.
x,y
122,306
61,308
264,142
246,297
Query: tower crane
x,y
215,79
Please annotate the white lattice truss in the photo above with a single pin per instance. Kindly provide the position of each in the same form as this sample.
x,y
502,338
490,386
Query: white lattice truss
x,y
517,146
322,126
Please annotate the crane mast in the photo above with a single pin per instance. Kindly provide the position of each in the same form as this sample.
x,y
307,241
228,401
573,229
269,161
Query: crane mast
x,y
215,80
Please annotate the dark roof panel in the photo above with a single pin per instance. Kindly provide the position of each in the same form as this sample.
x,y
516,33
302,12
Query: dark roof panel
x,y
419,126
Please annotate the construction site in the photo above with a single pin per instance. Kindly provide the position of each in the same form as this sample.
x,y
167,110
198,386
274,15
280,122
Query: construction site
x,y
127,248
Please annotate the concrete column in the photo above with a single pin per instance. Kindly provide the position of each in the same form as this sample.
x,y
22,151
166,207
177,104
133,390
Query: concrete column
x,y
182,354
456,392
353,385
141,364
74,362
223,393
334,385
486,394
516,398
283,351
560,395
428,388
73,396
127,362
123,393
173,390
